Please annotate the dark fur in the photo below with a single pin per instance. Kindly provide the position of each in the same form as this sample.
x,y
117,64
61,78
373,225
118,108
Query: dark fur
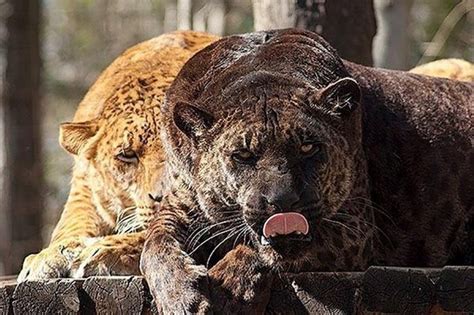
x,y
392,183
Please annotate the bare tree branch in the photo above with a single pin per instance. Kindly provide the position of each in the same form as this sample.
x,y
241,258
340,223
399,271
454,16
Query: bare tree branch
x,y
445,29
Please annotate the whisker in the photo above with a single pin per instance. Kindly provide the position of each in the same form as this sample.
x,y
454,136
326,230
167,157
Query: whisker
x,y
369,224
353,231
353,224
125,217
242,231
197,234
231,229
372,205
124,210
231,219
235,211
131,220
218,245
247,232
128,217
129,208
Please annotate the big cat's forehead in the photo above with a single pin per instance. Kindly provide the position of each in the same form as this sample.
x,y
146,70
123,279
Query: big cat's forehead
x,y
279,116
276,126
132,130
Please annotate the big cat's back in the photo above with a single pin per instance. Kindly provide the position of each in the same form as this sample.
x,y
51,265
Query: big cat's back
x,y
161,57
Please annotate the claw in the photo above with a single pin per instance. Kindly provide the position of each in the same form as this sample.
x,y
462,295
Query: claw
x,y
264,241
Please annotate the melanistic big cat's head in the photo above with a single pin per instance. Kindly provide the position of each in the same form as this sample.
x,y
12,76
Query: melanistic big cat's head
x,y
253,142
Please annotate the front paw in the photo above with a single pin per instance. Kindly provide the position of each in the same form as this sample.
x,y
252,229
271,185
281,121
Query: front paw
x,y
52,262
107,257
240,283
177,284
185,292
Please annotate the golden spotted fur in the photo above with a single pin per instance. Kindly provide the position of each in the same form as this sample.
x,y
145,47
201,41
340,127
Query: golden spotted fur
x,y
114,138
456,69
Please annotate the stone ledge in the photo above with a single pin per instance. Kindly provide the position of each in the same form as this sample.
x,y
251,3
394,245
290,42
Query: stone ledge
x,y
379,290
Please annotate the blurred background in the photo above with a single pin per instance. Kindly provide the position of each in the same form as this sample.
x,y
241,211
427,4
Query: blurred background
x,y
51,51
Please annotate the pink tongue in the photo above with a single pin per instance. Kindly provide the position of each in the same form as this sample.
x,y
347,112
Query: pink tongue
x,y
285,223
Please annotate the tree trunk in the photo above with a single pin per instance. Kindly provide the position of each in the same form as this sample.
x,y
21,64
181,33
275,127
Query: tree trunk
x,y
210,18
184,11
22,202
392,43
216,17
169,20
269,14
348,25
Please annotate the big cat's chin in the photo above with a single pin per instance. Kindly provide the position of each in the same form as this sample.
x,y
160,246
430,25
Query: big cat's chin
x,y
285,249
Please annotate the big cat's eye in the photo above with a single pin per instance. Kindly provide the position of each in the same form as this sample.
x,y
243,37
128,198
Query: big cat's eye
x,y
309,148
244,157
127,156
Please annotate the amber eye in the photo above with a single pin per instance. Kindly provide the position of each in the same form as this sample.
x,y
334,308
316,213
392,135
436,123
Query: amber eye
x,y
309,148
244,157
127,156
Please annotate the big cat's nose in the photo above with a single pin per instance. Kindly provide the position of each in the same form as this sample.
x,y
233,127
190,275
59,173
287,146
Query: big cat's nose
x,y
155,197
283,200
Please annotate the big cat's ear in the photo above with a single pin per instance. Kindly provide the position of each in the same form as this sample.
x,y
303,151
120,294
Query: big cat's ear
x,y
74,136
340,97
192,121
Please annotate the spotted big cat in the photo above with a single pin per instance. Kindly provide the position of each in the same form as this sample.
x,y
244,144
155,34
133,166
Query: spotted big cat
x,y
118,162
282,157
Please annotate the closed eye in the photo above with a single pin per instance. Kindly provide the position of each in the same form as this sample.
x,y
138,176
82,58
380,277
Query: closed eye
x,y
127,156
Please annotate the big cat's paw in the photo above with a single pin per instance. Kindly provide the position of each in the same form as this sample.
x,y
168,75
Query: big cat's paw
x,y
52,262
186,293
107,258
239,284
